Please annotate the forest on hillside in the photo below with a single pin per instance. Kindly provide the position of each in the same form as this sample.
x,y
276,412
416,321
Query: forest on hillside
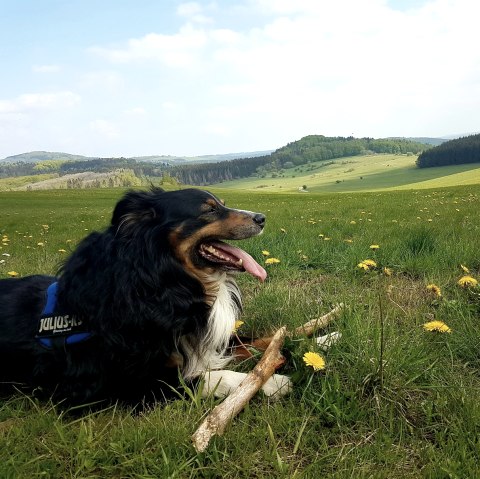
x,y
307,150
453,152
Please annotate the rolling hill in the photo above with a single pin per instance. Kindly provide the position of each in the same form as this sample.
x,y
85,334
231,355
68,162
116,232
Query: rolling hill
x,y
38,156
361,173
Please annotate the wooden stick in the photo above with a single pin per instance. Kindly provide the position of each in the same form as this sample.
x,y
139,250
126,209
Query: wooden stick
x,y
315,324
216,422
307,329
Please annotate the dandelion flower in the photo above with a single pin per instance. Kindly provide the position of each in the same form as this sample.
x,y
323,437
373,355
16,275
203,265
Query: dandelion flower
x,y
367,264
439,326
465,269
12,274
353,222
434,289
62,250
40,244
237,326
467,281
387,271
283,230
314,360
374,247
272,261
265,252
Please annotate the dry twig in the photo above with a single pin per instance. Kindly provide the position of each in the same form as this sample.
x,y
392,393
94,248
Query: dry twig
x,y
216,422
308,329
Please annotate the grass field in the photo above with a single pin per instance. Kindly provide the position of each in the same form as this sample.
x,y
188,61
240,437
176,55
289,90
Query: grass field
x,y
394,401
362,173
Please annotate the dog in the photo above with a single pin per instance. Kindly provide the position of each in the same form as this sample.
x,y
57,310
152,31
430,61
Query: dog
x,y
137,310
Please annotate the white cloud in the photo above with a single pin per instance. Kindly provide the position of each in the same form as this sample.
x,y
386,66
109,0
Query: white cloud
x,y
136,111
103,80
177,50
40,101
46,68
193,12
105,129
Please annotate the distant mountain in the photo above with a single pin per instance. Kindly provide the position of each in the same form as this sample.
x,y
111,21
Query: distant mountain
x,y
38,156
428,141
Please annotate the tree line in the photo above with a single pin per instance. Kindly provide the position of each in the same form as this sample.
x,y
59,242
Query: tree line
x,y
309,149
313,148
453,152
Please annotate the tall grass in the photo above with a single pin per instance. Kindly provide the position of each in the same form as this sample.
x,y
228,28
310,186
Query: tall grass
x,y
394,400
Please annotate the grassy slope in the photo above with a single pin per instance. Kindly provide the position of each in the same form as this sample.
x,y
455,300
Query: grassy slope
x,y
413,414
378,172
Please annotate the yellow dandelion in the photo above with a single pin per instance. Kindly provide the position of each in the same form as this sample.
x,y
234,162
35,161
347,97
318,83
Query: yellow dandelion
x,y
40,244
367,264
283,230
12,274
467,281
348,241
62,250
434,289
272,261
387,271
321,235
314,360
265,252
327,239
374,247
237,326
68,241
465,269
353,222
439,326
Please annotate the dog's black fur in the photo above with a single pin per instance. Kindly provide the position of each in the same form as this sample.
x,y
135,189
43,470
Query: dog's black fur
x,y
140,286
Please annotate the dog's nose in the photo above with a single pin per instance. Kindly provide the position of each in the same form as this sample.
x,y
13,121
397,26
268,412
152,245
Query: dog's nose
x,y
259,219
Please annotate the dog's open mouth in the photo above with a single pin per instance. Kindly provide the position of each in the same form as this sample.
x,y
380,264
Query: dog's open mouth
x,y
231,258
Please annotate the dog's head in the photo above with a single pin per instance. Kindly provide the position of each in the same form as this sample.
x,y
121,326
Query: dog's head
x,y
195,223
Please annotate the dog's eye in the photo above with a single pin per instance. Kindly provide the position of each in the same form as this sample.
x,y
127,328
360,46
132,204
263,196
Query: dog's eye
x,y
212,209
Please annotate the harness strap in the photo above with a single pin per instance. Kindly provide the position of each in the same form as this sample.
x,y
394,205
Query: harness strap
x,y
57,330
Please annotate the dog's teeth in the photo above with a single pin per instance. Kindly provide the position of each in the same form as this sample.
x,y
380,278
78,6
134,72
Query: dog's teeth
x,y
240,262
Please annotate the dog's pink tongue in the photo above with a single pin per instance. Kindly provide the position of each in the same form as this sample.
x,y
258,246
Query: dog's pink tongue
x,y
249,264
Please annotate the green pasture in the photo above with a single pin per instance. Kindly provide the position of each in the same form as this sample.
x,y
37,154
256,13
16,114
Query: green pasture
x,y
361,173
394,401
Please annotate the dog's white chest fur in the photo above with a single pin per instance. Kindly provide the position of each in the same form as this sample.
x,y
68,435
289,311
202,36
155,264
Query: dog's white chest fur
x,y
208,353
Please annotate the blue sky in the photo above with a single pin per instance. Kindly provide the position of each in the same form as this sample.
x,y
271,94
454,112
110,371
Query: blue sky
x,y
130,78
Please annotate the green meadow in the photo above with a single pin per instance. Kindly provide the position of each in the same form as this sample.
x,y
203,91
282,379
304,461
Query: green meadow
x,y
395,400
361,173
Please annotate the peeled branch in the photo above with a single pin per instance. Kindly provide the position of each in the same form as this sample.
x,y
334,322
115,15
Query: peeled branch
x,y
216,422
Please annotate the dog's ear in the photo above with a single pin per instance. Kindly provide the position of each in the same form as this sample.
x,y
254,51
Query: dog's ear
x,y
135,206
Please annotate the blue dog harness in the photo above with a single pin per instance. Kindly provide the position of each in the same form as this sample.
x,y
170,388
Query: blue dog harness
x,y
56,328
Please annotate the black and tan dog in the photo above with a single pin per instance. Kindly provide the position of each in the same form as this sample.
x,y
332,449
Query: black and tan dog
x,y
148,300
